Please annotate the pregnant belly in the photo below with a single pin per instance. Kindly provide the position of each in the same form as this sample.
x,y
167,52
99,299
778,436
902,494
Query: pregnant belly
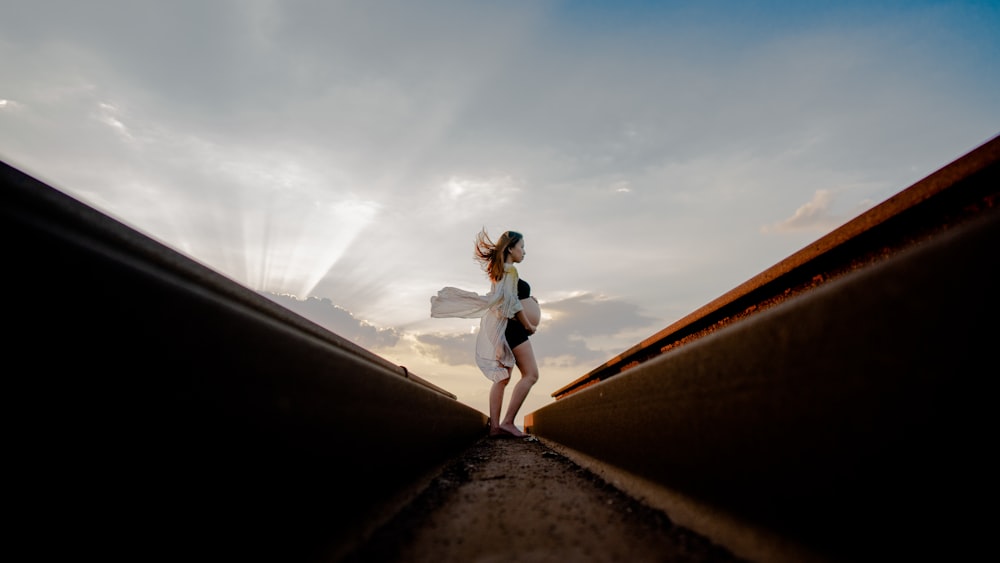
x,y
532,310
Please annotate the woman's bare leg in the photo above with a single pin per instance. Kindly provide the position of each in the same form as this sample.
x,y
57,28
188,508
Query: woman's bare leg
x,y
524,355
496,404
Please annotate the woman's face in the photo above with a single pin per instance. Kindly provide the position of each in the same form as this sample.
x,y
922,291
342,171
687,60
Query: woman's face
x,y
517,251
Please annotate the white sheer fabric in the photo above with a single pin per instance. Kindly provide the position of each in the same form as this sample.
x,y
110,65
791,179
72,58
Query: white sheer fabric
x,y
493,354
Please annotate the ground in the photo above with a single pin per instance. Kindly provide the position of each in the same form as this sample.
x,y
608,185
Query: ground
x,y
518,500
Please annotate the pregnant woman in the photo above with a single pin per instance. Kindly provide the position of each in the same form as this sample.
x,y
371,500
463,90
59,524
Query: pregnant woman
x,y
509,316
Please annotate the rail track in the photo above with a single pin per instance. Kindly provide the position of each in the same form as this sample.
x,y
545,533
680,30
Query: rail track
x,y
953,195
833,408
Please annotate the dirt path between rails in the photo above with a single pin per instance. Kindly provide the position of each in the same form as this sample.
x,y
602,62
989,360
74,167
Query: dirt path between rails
x,y
518,500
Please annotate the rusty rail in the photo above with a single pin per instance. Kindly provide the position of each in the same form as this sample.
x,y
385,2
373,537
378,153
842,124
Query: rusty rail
x,y
942,200
162,411
834,408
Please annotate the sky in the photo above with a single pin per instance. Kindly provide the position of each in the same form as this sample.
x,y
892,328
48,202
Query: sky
x,y
339,157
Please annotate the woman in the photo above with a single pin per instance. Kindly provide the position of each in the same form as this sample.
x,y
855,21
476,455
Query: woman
x,y
509,316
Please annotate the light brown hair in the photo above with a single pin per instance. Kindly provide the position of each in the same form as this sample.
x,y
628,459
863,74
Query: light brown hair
x,y
492,256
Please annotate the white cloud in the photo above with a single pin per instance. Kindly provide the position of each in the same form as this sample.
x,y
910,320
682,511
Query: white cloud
x,y
813,217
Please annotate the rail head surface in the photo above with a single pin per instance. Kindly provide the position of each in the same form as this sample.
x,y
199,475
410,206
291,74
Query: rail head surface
x,y
950,196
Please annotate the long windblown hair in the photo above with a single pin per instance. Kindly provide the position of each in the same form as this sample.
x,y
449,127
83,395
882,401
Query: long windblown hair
x,y
492,256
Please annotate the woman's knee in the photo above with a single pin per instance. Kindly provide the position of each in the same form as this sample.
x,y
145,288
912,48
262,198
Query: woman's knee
x,y
530,375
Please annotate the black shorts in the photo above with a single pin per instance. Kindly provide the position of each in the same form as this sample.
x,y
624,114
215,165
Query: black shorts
x,y
516,333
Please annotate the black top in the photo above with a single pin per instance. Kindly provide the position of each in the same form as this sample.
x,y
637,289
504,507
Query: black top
x,y
523,289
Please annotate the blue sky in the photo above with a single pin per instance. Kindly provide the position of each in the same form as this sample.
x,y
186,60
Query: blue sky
x,y
340,157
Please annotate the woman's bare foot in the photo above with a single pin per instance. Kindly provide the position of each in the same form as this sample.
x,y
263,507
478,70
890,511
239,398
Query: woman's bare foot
x,y
499,432
509,428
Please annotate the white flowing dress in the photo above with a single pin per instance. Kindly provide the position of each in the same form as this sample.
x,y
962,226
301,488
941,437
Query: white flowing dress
x,y
493,355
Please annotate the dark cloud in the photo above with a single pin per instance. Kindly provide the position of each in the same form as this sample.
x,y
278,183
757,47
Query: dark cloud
x,y
581,332
589,315
448,349
338,321
586,329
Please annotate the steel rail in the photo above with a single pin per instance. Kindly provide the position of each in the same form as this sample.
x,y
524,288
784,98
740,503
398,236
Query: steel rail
x,y
946,198
835,408
161,411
